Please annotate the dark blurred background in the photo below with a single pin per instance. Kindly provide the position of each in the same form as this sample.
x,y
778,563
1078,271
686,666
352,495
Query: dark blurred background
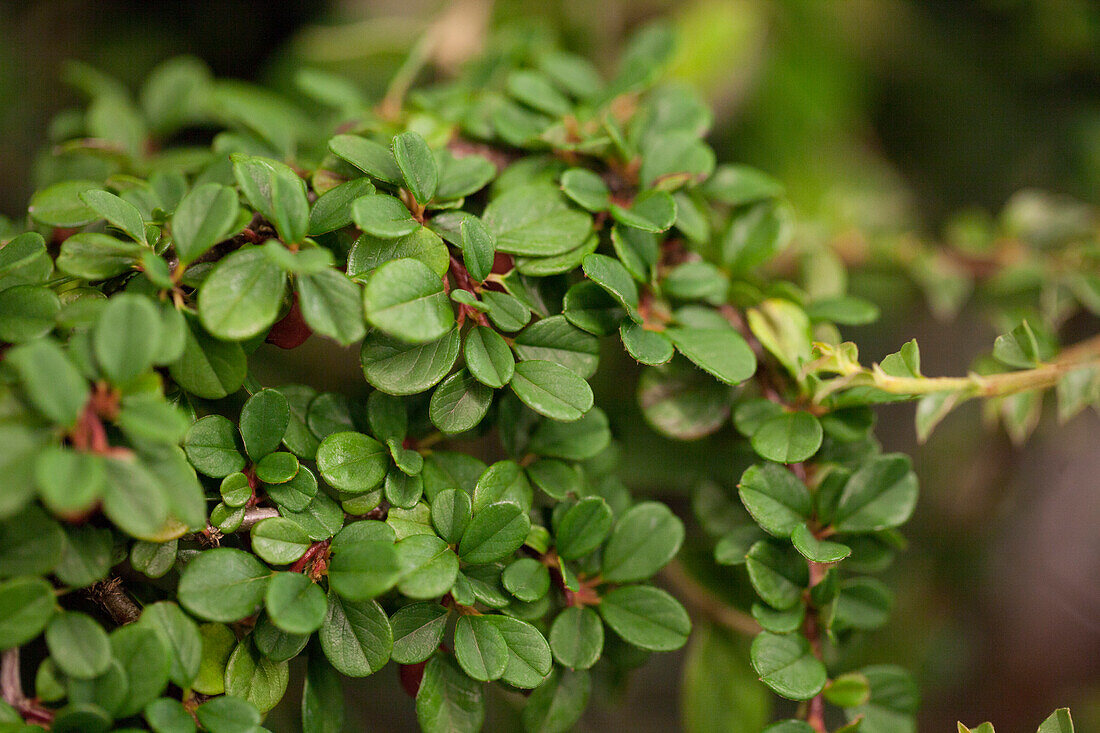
x,y
879,116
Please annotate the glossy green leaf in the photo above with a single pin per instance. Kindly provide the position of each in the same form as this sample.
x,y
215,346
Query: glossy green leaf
x,y
264,419
205,216
52,383
356,636
480,648
295,603
576,637
223,584
417,164
374,159
78,645
778,573
494,532
775,497
721,352
365,569
645,538
448,701
551,390
211,446
459,403
26,606
880,495
790,437
786,664
817,550
241,297
278,540
277,192
428,566
405,299
529,658
352,462
383,216
417,631
646,617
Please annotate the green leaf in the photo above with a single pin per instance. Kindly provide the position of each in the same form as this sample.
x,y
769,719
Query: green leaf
x,y
30,543
682,402
784,330
551,390
880,495
462,176
651,211
417,165
645,538
556,705
253,677
95,256
787,665
610,274
646,617
405,299
555,339
369,252
582,528
451,512
527,579
494,532
534,221
459,403
146,663
576,637
586,188
68,480
864,603
26,606
848,690
52,383
1018,349
364,570
648,347
502,481
211,446
322,698
815,549
134,499
721,352
488,357
790,437
356,636
428,566
277,192
180,637
1058,722
372,158
61,205
206,215
417,631
755,235
241,296
352,462
295,603
154,559
845,310
78,645
332,306
778,573
399,368
720,692
332,210
228,714
775,498
478,247
278,540
529,659
383,216
894,700
167,715
448,701
735,185
480,648
223,584
209,368
119,213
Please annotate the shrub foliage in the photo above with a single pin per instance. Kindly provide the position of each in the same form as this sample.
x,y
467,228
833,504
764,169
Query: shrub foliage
x,y
173,532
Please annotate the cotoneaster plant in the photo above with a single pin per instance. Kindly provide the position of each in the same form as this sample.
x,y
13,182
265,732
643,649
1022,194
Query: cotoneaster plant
x,y
173,532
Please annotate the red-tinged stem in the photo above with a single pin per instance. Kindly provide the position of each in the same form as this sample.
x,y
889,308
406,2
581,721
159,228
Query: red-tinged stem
x,y
314,552
11,688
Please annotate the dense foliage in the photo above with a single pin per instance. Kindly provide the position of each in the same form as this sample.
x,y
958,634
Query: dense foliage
x,y
173,532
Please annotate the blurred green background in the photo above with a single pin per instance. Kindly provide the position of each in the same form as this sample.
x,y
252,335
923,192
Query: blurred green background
x,y
881,117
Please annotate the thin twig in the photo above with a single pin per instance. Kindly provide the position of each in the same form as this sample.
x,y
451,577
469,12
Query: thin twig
x,y
699,599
